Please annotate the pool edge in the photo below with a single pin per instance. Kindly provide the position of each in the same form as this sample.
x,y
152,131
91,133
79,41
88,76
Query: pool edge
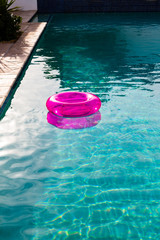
x,y
16,56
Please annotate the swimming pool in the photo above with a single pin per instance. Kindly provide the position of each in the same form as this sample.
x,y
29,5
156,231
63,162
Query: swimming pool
x,y
97,183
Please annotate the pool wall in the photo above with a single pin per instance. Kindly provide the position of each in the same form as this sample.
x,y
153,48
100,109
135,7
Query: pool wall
x,y
26,5
65,6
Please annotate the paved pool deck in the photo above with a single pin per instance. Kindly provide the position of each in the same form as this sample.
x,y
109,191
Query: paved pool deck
x,y
14,55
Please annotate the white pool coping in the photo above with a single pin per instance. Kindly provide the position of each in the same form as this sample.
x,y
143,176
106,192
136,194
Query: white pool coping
x,y
14,55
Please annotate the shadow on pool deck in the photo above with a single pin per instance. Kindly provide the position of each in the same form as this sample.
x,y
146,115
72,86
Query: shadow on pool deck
x,y
13,55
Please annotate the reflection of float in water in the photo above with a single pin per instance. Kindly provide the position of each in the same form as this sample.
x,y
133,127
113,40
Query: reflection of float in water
x,y
74,123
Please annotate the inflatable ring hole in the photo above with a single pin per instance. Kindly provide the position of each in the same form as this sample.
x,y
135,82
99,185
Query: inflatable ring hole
x,y
71,97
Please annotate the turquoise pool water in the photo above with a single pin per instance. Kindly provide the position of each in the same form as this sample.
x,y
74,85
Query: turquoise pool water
x,y
101,182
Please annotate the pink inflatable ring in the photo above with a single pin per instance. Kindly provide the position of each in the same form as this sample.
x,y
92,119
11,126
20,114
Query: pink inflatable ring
x,y
73,104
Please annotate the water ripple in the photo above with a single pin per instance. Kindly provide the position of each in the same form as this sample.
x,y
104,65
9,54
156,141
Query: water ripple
x,y
95,183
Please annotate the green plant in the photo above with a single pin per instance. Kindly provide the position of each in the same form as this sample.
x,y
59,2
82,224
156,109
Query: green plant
x,y
9,23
